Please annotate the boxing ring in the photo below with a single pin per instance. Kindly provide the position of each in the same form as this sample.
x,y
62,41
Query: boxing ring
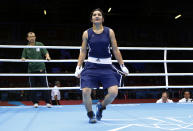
x,y
117,117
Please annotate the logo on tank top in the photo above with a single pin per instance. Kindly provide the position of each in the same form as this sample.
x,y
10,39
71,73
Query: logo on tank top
x,y
92,35
37,49
98,60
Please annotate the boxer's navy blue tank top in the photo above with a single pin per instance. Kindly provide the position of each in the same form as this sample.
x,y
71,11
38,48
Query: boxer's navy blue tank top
x,y
99,44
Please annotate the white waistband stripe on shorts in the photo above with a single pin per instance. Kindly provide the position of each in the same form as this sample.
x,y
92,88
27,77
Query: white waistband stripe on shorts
x,y
100,60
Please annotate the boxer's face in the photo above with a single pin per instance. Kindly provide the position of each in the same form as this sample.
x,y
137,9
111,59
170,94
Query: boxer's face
x,y
97,17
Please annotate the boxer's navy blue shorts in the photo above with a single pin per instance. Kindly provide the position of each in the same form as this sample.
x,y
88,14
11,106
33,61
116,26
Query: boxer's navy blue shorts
x,y
95,74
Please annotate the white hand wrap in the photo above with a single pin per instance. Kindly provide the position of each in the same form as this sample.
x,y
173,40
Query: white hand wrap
x,y
78,71
124,69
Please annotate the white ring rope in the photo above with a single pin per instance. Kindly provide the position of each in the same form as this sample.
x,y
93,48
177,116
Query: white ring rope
x,y
73,88
75,60
78,47
130,74
27,60
47,47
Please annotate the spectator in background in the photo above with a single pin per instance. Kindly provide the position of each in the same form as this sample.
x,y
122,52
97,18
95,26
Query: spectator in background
x,y
37,67
55,94
186,98
164,98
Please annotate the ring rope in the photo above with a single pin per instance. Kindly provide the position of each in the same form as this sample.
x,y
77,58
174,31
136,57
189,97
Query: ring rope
x,y
78,47
73,88
75,60
130,74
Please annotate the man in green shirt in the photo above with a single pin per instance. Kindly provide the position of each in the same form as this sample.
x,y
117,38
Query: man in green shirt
x,y
37,67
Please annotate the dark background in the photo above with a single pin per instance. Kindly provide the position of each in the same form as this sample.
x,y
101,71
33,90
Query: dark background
x,y
139,23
